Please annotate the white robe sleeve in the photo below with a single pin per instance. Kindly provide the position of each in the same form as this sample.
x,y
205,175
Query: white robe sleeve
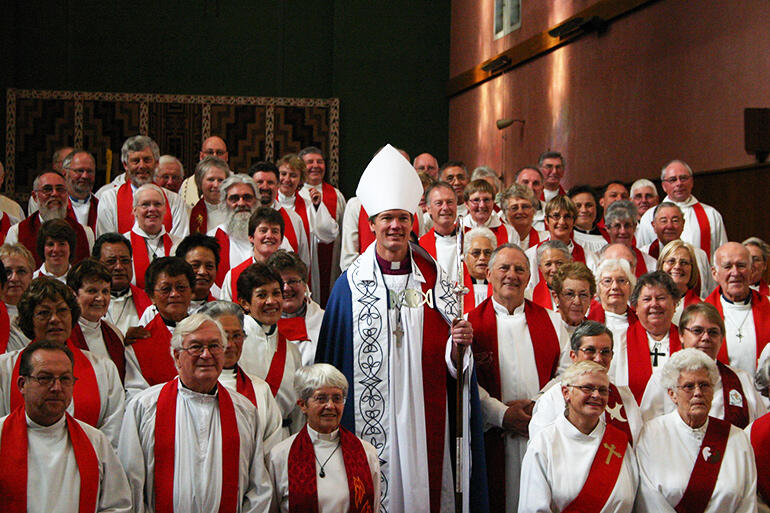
x,y
325,227
269,415
131,453
106,219
111,395
349,250
114,491
535,492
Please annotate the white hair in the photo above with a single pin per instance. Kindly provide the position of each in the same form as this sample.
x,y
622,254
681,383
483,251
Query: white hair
x,y
482,172
615,264
169,159
138,143
642,183
221,308
235,179
684,164
555,245
310,378
148,187
475,233
689,359
581,368
191,324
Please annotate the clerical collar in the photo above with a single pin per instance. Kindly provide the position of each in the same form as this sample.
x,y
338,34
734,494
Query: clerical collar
x,y
398,268
592,231
450,234
171,324
119,293
79,201
739,302
213,391
480,281
269,330
299,313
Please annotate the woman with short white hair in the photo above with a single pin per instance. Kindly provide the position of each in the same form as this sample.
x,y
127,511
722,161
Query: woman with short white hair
x,y
580,463
689,461
478,245
324,467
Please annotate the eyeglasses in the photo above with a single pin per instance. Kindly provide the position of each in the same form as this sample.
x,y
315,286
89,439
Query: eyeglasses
x,y
570,295
45,315
618,226
475,253
477,201
590,352
293,282
674,179
236,336
607,282
682,263
516,208
66,380
698,331
166,290
47,190
323,398
690,387
197,349
590,389
218,153
235,198
558,217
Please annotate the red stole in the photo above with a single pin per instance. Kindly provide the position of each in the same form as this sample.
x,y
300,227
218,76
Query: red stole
x,y
141,256
534,238
5,329
641,265
13,472
125,206
301,210
705,228
303,486
604,472
760,440
596,313
562,192
705,471
199,218
235,273
469,299
326,250
85,395
165,447
760,309
277,366
293,328
224,256
764,288
29,228
541,295
691,297
329,198
112,342
501,233
154,353
92,212
654,250
288,231
244,386
141,300
734,414
613,401
639,362
602,227
428,242
5,225
366,235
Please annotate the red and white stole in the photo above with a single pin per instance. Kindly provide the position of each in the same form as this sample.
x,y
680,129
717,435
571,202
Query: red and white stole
x,y
541,294
275,373
639,362
614,400
760,440
125,206
141,300
366,235
760,309
469,299
654,250
29,228
141,256
737,415
5,225
534,238
501,233
288,231
603,474
691,297
5,328
14,449
301,210
199,218
293,328
705,228
303,486
154,353
641,265
235,273
704,474
596,313
112,342
165,447
85,396
244,385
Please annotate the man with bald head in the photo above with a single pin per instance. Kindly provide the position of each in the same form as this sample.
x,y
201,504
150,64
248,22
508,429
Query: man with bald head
x,y
745,311
426,163
212,147
703,225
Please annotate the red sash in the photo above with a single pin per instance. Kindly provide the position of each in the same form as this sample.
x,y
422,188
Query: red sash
x,y
5,225
705,228
596,313
289,232
641,265
326,250
534,238
293,328
154,353
141,256
29,228
303,487
734,414
541,295
639,362
224,254
85,396
301,210
14,471
603,474
199,218
760,308
705,472
329,198
366,235
5,328
244,386
760,440
235,274
141,300
428,242
501,233
764,288
112,342
125,206
469,300
691,297
654,250
165,447
613,402
602,227
277,366
562,192
93,212
578,254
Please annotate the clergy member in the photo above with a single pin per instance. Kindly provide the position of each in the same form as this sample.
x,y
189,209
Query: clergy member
x,y
406,305
19,266
51,461
644,194
441,240
212,147
209,211
531,177
190,445
573,287
552,167
478,245
760,253
481,214
56,246
80,173
202,252
551,254
519,205
621,222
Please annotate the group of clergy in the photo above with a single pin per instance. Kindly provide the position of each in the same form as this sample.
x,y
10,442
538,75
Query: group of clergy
x,y
157,345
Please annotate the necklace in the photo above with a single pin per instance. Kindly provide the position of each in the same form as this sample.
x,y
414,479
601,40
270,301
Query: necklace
x,y
322,473
739,326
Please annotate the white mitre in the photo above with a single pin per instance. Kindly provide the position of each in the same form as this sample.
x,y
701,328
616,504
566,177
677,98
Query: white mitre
x,y
389,182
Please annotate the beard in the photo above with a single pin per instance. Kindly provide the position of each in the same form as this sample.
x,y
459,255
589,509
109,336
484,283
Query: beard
x,y
46,214
237,224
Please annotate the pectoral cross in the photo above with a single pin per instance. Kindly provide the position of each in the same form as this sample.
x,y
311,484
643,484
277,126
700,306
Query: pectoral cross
x,y
611,452
654,354
740,336
398,332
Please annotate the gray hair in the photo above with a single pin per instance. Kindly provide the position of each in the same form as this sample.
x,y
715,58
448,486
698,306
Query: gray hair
x,y
475,233
221,308
655,279
615,264
138,143
482,172
518,191
206,164
642,183
67,162
759,243
507,245
310,378
621,210
667,204
581,368
148,187
311,150
684,164
168,159
588,329
191,324
762,376
235,179
551,155
631,252
552,244
689,359
36,181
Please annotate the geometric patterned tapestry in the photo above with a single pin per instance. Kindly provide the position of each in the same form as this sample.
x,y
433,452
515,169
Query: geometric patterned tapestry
x,y
254,128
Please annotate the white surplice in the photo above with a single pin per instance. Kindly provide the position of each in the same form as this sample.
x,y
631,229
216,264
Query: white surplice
x,y
666,454
53,479
446,254
340,214
742,351
556,467
621,361
492,223
122,311
107,221
92,333
333,490
314,316
153,245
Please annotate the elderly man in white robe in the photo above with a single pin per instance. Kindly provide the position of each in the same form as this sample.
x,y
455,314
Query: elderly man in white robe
x,y
689,461
190,445
51,461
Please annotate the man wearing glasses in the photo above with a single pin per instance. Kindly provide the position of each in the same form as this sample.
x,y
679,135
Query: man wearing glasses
x,y
44,449
703,225
80,173
189,444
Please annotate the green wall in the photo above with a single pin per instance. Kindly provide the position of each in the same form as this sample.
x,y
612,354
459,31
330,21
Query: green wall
x,y
387,61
